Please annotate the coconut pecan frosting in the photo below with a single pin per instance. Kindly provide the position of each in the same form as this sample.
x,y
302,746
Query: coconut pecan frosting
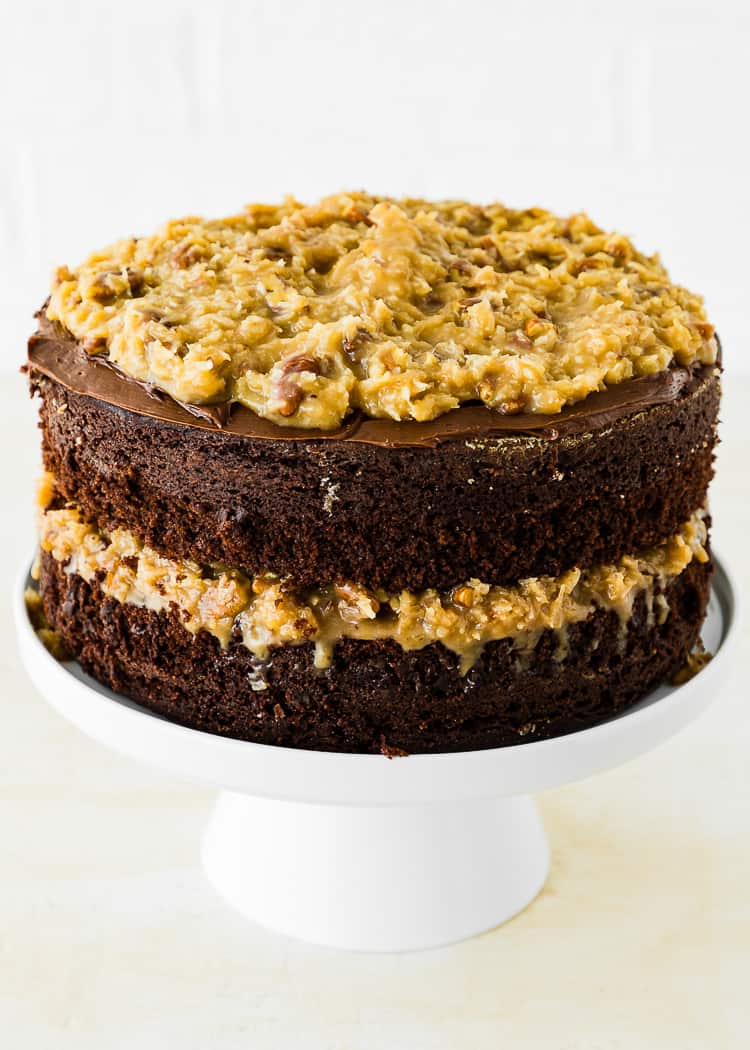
x,y
402,309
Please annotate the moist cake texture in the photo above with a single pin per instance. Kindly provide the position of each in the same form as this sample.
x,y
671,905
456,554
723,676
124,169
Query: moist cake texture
x,y
376,475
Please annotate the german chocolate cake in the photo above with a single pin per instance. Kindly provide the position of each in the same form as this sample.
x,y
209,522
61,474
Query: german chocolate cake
x,y
376,475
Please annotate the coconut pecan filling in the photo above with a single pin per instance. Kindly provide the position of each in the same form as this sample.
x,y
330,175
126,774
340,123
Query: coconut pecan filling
x,y
266,612
399,308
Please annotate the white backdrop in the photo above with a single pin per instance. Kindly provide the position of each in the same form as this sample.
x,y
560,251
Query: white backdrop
x,y
115,117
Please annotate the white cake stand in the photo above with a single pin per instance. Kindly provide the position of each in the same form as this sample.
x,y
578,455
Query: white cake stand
x,y
370,853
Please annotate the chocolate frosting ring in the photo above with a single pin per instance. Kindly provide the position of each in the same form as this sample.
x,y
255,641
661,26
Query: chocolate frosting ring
x,y
55,353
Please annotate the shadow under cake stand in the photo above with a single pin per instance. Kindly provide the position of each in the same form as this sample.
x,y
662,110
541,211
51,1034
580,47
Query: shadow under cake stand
x,y
366,852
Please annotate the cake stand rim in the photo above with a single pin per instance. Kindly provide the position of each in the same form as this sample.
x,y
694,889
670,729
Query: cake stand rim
x,y
339,778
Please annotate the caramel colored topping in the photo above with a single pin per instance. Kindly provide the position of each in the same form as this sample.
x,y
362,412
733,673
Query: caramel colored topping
x,y
267,612
399,308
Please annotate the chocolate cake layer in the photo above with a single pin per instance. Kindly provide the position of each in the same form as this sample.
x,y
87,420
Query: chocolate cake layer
x,y
498,508
376,697
270,613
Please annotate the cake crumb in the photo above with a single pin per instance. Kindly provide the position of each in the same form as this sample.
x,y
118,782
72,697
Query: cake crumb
x,y
330,490
46,634
257,680
390,751
694,664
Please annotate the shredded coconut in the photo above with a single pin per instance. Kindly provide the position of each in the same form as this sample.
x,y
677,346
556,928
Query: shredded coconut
x,y
399,308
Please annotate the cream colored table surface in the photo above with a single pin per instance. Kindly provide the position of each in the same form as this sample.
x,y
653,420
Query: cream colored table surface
x,y
110,938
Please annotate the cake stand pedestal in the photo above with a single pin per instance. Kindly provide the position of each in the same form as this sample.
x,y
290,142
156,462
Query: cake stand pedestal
x,y
370,853
377,878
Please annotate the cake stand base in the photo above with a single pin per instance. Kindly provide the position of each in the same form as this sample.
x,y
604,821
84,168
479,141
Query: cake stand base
x,y
367,852
376,878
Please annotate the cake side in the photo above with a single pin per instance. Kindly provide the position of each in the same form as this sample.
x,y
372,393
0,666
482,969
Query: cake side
x,y
344,668
269,611
495,508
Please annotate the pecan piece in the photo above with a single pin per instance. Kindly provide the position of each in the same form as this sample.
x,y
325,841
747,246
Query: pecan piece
x,y
705,330
356,603
136,282
520,341
591,262
261,584
356,214
186,254
490,249
284,388
105,292
354,348
619,248
463,596
460,265
102,290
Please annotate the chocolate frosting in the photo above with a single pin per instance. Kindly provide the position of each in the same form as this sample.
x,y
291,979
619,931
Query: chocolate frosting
x,y
55,353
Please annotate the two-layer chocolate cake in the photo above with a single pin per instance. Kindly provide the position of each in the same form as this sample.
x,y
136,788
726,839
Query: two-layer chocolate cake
x,y
376,475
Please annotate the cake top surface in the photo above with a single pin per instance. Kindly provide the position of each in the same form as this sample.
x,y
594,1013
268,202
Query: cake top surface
x,y
402,309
